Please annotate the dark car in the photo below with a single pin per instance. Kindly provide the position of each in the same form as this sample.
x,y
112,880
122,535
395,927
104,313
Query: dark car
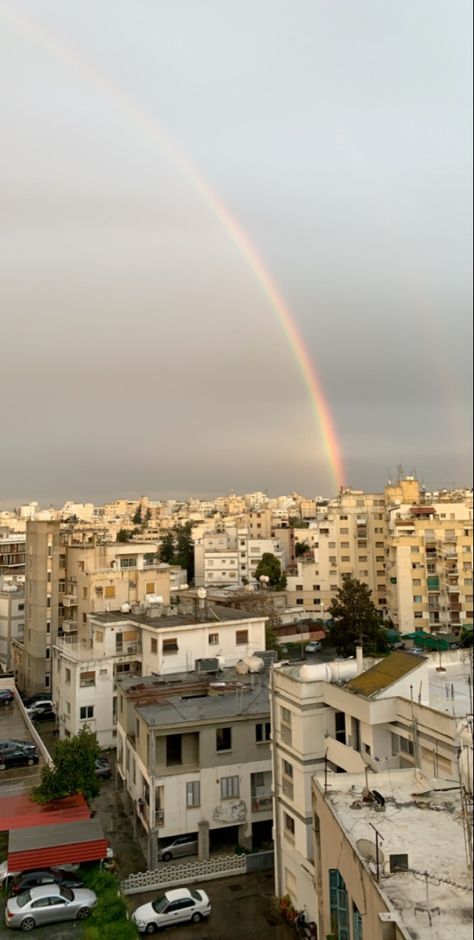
x,y
26,746
6,697
45,876
17,757
37,697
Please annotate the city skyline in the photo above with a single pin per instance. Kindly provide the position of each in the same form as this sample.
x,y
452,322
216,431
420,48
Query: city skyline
x,y
143,352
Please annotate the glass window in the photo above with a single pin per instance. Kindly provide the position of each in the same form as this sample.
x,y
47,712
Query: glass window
x,y
193,793
230,787
223,739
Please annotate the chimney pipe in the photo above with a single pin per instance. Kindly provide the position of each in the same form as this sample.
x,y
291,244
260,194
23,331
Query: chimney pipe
x,y
359,658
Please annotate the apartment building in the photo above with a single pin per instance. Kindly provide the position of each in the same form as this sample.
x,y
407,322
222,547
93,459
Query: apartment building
x,y
12,552
195,757
348,539
390,870
12,617
85,670
429,567
231,557
342,717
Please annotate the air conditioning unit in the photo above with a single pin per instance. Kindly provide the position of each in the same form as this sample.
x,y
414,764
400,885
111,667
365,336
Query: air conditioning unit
x,y
205,667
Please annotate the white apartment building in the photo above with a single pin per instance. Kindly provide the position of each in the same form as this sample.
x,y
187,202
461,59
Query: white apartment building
x,y
194,757
231,557
85,670
12,617
335,717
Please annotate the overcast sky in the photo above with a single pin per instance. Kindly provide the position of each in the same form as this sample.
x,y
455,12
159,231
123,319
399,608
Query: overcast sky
x,y
138,352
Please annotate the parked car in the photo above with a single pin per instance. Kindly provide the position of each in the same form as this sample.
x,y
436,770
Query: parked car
x,y
6,697
14,756
173,907
182,845
44,876
41,711
103,768
37,697
47,905
13,742
313,646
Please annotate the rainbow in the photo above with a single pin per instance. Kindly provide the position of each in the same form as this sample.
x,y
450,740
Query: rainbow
x,y
68,54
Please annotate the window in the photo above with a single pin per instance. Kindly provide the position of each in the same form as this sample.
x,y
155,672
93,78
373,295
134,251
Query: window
x,y
416,582
263,732
223,739
170,646
415,549
173,750
344,544
287,769
213,639
153,645
128,562
339,905
417,598
68,708
241,637
356,924
286,716
68,675
344,531
289,825
150,587
193,793
418,615
230,787
110,591
86,711
87,678
298,587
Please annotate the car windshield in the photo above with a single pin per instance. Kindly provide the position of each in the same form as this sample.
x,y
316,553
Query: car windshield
x,y
23,899
160,904
195,895
67,894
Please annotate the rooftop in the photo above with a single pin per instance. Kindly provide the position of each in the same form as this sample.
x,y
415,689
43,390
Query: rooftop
x,y
451,690
385,673
202,698
422,819
212,615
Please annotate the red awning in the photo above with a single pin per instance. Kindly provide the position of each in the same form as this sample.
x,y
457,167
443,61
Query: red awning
x,y
60,844
20,812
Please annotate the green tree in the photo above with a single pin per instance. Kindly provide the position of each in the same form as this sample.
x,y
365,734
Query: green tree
x,y
271,568
301,548
137,516
73,769
354,617
124,535
185,548
166,551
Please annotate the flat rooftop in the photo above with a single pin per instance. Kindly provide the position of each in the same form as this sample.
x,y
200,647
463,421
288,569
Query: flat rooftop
x,y
422,819
201,698
451,691
213,615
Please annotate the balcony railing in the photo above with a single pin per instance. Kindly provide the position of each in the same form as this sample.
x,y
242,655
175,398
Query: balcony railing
x,y
70,600
262,803
84,651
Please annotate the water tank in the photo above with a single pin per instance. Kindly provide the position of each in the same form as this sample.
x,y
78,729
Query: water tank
x,y
154,599
221,661
466,769
317,672
125,608
254,663
344,670
241,668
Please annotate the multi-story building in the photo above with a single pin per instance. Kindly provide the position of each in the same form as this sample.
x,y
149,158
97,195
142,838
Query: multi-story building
x,y
85,670
390,870
195,757
44,573
12,617
12,552
231,557
335,717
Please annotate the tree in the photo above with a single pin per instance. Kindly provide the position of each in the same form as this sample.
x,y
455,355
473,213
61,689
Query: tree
x,y
73,769
301,548
260,604
167,548
177,548
355,618
137,516
124,535
271,568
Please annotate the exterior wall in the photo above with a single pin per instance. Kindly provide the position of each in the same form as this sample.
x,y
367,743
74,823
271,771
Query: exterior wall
x,y
219,638
42,577
12,554
12,620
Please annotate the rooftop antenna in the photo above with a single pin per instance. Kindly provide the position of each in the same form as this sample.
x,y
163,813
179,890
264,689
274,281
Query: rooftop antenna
x,y
378,854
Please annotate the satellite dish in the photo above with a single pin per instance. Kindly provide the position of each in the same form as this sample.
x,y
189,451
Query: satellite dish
x,y
369,852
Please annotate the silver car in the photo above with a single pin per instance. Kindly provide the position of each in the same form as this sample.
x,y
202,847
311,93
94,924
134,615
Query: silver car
x,y
48,904
182,845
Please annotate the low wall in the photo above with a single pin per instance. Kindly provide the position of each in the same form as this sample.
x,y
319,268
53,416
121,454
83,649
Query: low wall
x,y
168,876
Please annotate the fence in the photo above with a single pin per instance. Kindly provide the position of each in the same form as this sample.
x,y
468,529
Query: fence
x,y
220,866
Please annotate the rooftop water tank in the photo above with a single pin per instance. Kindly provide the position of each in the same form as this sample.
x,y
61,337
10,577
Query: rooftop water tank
x,y
254,663
317,672
241,668
344,670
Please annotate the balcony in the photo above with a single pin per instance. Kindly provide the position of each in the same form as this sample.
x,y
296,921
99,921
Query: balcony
x,y
70,600
83,650
262,803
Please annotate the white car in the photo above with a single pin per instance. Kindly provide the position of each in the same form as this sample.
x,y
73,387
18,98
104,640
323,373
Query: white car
x,y
173,907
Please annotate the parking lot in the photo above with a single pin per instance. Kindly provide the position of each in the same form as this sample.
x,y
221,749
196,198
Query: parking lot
x,y
12,725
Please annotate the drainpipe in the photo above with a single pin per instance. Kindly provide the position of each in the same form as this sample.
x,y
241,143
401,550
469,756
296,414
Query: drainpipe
x,y
276,808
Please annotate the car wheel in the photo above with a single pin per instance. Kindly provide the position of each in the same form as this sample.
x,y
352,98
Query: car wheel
x,y
150,928
167,857
196,918
3,766
28,924
30,762
83,913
